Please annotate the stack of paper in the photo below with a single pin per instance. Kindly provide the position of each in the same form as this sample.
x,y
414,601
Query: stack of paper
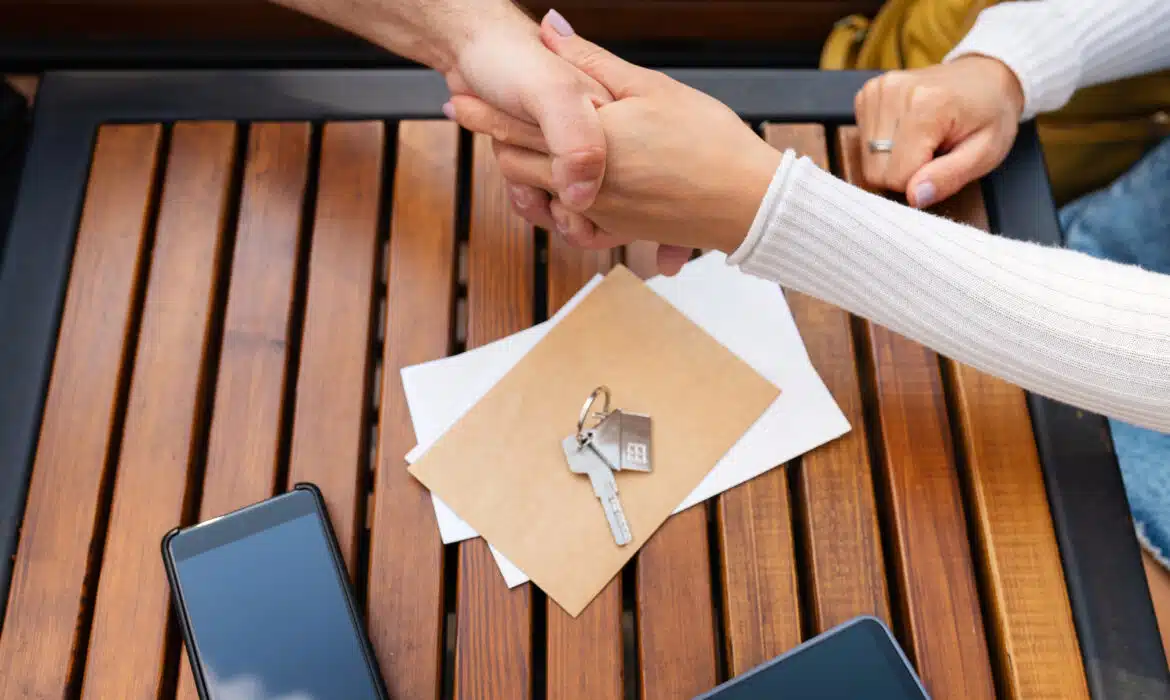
x,y
747,316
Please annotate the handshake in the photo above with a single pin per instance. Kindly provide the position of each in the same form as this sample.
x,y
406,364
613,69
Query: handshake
x,y
614,152
604,152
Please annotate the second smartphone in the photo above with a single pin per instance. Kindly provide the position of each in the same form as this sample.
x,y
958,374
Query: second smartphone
x,y
265,605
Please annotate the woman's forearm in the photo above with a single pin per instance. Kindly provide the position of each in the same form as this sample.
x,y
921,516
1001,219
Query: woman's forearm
x,y
1091,333
428,31
1058,46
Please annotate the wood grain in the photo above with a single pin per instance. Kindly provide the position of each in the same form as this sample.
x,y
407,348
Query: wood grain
x,y
405,608
26,85
52,585
493,644
250,389
761,593
128,644
329,425
1037,653
936,575
761,597
584,655
676,621
835,483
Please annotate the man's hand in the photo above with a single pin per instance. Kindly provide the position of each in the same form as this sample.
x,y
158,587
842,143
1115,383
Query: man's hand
x,y
949,125
492,50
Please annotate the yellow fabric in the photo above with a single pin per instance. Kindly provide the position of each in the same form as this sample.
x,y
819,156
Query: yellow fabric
x,y
1096,137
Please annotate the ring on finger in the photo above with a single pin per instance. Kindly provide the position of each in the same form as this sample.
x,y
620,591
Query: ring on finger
x,y
881,145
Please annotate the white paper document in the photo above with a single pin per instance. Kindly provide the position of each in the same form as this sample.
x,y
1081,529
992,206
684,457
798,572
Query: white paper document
x,y
747,315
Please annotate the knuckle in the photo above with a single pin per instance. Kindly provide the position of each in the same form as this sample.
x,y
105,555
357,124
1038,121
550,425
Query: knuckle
x,y
589,58
929,98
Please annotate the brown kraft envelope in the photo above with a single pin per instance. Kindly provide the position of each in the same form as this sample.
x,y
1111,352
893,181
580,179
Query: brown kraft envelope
x,y
501,467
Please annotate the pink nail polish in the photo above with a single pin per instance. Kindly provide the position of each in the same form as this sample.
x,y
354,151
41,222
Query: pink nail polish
x,y
562,222
577,195
924,194
449,110
521,197
559,24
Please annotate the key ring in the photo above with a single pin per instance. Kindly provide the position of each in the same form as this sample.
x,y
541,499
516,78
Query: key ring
x,y
585,411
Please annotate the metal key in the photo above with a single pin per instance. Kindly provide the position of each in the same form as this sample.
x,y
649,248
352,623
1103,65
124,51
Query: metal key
x,y
583,460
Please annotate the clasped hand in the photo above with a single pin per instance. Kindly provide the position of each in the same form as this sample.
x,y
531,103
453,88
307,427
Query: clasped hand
x,y
682,169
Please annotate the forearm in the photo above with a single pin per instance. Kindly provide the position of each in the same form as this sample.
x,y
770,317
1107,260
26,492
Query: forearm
x,y
428,31
1088,332
1058,46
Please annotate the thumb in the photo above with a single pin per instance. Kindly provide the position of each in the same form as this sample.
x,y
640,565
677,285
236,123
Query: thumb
x,y
576,141
621,78
944,176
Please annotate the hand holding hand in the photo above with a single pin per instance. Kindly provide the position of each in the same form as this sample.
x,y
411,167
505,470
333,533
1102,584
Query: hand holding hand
x,y
506,66
491,49
969,110
682,168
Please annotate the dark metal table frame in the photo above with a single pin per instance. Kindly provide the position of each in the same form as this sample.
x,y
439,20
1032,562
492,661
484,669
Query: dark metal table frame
x,y
1110,599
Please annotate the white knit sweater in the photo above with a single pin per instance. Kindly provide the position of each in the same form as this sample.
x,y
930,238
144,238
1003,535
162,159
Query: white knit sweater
x,y
1091,333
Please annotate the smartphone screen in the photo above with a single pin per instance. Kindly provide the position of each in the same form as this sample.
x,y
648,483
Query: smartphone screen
x,y
856,660
267,605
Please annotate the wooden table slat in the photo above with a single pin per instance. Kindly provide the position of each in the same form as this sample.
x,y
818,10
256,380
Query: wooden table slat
x,y
761,590
1037,651
493,645
676,623
405,608
51,590
943,624
128,644
243,447
329,424
584,655
835,483
761,597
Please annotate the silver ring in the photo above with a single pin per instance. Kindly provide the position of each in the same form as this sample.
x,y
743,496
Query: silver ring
x,y
585,410
881,145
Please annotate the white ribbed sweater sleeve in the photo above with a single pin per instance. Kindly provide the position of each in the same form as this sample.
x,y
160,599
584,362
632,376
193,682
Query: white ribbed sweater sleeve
x,y
1057,46
1088,332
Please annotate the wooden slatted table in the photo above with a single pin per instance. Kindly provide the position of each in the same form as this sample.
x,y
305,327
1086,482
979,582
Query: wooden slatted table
x,y
213,281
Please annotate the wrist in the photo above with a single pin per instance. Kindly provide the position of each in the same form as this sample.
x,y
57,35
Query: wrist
x,y
500,22
1002,77
752,196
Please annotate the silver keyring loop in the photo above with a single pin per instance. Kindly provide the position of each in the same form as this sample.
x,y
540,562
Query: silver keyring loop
x,y
585,409
881,145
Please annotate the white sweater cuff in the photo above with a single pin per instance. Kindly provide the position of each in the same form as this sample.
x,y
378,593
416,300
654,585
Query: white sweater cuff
x,y
775,194
1037,42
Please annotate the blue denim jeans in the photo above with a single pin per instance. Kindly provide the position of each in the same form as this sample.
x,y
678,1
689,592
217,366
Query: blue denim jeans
x,y
1129,222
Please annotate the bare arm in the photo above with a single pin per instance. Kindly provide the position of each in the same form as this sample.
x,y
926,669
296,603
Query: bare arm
x,y
492,49
428,31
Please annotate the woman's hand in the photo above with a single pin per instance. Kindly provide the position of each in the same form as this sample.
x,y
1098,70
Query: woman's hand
x,y
950,124
682,169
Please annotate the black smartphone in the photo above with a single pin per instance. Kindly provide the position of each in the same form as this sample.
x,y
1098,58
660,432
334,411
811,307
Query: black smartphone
x,y
858,659
265,605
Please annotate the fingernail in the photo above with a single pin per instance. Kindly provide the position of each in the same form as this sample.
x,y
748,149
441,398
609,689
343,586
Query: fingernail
x,y
924,193
448,110
561,219
578,194
521,197
559,24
